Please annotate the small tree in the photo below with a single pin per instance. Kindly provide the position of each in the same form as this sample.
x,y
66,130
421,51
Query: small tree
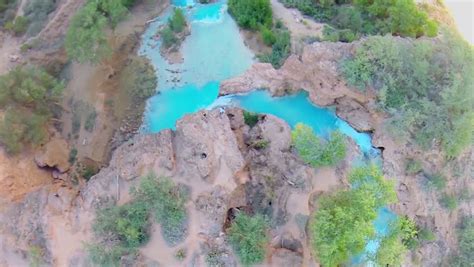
x,y
315,151
248,236
177,22
85,40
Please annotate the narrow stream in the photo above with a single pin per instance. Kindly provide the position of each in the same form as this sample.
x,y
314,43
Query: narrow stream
x,y
215,51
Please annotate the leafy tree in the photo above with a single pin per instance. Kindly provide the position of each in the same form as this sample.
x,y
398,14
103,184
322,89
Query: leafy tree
x,y
85,40
314,150
343,222
29,96
114,10
248,236
250,14
391,251
177,22
168,37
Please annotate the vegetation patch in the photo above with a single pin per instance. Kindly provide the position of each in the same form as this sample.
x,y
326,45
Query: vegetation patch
x,y
424,86
334,241
251,14
37,11
121,230
174,32
138,79
316,151
86,40
349,20
250,118
166,201
465,254
248,236
30,98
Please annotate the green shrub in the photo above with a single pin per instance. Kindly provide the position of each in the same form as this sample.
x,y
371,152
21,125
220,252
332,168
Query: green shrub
x,y
88,171
251,14
18,26
268,36
168,38
448,202
391,251
437,181
128,223
86,40
423,84
177,22
120,230
408,232
316,152
427,235
413,166
90,121
248,236
180,254
332,239
281,49
465,255
29,96
37,11
72,156
138,79
250,118
166,201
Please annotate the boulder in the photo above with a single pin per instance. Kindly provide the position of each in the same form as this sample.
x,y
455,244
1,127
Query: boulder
x,y
55,154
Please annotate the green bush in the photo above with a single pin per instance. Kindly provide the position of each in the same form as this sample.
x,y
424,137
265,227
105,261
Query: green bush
x,y
90,121
72,156
333,240
86,40
437,181
448,202
166,201
128,223
120,230
316,152
248,236
37,11
391,251
18,26
268,36
177,22
168,38
250,118
413,166
423,85
427,235
251,14
138,79
281,49
465,255
29,97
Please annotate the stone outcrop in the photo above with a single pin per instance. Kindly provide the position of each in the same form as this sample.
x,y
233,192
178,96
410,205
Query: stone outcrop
x,y
55,154
315,70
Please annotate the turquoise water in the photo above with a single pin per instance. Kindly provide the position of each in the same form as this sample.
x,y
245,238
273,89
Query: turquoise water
x,y
214,52
208,59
